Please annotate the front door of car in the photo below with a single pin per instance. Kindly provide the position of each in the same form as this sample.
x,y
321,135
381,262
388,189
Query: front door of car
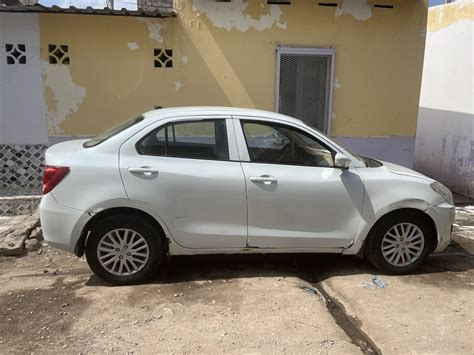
x,y
187,172
295,197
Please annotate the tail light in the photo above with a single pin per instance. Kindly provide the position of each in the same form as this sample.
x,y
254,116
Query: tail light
x,y
53,176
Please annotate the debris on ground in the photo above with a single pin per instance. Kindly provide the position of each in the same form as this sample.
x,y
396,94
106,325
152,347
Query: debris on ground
x,y
376,281
313,291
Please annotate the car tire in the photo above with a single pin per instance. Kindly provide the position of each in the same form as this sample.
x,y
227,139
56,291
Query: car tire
x,y
124,249
405,233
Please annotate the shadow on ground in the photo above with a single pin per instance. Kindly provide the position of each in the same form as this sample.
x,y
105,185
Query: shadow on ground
x,y
309,267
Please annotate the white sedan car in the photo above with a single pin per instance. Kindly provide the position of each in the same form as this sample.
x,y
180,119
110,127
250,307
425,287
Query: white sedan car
x,y
214,180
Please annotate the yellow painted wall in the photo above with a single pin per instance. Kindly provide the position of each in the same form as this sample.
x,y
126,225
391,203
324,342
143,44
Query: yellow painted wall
x,y
440,17
378,62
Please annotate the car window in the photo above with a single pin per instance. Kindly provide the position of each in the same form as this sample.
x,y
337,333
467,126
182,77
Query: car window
x,y
280,144
206,139
111,132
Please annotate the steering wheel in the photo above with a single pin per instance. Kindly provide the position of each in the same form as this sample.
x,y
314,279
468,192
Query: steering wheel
x,y
284,152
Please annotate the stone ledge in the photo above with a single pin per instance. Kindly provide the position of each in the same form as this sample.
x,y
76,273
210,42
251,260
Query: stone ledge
x,y
15,231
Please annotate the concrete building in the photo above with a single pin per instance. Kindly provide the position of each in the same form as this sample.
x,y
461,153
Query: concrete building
x,y
445,135
351,68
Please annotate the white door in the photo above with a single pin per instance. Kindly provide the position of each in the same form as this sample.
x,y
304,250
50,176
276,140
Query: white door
x,y
187,172
295,197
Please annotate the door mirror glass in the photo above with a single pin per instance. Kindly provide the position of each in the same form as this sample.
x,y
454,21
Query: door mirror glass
x,y
341,161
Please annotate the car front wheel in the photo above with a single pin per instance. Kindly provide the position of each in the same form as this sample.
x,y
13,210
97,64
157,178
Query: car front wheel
x,y
123,249
400,242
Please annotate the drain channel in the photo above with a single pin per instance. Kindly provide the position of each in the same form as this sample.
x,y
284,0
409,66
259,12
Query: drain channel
x,y
351,328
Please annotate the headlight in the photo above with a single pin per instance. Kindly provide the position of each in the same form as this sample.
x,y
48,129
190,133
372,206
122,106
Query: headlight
x,y
443,191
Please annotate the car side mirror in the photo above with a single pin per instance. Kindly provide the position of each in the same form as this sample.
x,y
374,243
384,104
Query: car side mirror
x,y
341,161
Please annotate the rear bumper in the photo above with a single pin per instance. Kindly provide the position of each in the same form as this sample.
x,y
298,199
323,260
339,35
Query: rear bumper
x,y
62,226
443,215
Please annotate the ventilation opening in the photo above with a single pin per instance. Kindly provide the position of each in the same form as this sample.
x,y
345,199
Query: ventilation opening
x,y
58,54
16,53
328,4
163,58
382,6
276,2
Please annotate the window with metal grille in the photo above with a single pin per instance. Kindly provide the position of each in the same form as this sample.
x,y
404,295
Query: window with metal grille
x,y
304,85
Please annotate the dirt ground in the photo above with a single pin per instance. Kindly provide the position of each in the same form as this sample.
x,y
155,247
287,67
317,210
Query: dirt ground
x,y
51,302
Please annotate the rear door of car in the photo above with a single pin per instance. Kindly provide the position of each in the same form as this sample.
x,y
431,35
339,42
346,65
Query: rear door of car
x,y
186,170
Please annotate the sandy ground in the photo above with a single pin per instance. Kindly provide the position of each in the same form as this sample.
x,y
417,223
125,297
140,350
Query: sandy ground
x,y
50,301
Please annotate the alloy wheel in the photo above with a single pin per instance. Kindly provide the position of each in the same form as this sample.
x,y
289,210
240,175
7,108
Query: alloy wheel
x,y
403,244
123,252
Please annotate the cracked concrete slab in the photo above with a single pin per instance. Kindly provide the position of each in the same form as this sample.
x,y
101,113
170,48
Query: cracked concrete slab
x,y
430,311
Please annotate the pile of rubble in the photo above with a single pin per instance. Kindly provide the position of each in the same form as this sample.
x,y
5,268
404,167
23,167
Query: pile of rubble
x,y
20,234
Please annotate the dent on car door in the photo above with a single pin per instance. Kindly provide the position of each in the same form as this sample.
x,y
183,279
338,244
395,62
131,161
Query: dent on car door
x,y
183,171
295,197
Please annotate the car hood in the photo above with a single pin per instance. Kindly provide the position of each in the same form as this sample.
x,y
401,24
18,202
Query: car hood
x,y
401,170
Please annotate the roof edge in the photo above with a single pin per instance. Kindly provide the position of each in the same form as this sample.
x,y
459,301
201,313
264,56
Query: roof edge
x,y
72,10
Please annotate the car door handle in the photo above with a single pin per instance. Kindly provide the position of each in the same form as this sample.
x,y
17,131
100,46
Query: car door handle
x,y
265,179
144,170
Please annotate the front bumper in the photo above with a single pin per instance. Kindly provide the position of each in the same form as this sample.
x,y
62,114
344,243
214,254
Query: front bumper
x,y
443,215
62,226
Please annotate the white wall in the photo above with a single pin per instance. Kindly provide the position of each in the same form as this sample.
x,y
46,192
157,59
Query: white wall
x,y
444,146
22,107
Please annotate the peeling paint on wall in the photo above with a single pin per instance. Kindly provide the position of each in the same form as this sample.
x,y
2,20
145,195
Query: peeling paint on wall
x,y
154,28
177,85
232,14
337,83
184,59
132,45
66,94
238,69
357,8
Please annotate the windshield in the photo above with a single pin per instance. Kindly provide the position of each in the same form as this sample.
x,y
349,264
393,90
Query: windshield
x,y
111,132
370,163
350,151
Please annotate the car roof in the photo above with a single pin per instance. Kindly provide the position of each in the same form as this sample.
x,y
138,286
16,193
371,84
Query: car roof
x,y
163,113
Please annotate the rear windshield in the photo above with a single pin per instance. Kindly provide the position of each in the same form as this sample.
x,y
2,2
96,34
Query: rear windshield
x,y
111,132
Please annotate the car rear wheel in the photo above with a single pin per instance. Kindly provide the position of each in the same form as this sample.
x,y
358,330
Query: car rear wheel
x,y
400,242
124,249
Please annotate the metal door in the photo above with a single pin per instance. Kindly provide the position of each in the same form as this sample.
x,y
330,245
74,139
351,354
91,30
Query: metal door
x,y
304,85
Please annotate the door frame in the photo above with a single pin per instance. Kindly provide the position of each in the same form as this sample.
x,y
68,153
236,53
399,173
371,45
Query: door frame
x,y
306,50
